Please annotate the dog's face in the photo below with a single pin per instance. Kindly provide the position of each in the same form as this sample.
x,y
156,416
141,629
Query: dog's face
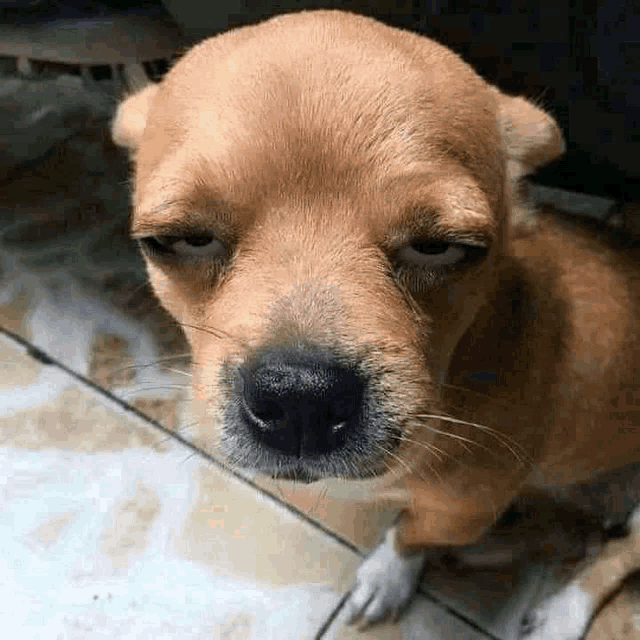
x,y
322,203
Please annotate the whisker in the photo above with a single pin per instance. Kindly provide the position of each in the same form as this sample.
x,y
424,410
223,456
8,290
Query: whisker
x,y
456,437
188,374
516,449
437,452
319,498
128,392
217,333
453,435
280,492
162,441
178,432
193,454
403,462
173,356
184,430
147,365
456,387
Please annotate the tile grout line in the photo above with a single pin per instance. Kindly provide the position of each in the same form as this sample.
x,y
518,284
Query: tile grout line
x,y
332,616
42,356
456,614
39,354
425,594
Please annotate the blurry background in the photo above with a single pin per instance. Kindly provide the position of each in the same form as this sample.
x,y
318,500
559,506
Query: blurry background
x,y
580,58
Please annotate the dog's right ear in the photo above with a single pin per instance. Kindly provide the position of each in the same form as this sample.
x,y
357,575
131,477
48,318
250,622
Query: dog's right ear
x,y
130,119
530,136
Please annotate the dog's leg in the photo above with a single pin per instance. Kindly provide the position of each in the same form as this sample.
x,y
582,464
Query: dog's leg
x,y
385,583
439,520
567,614
389,576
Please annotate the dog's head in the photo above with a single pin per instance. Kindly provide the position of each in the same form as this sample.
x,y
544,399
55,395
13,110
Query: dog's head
x,y
322,201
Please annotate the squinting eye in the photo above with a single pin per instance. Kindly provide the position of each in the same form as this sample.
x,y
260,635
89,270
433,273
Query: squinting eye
x,y
195,246
438,254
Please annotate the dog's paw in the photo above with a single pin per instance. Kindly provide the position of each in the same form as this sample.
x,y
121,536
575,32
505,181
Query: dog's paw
x,y
385,585
564,616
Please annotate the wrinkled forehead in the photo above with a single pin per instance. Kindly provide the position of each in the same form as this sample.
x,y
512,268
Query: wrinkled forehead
x,y
261,116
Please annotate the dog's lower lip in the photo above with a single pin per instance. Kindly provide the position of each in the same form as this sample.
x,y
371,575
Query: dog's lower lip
x,y
297,475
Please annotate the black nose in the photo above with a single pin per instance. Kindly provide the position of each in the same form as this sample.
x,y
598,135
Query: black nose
x,y
300,405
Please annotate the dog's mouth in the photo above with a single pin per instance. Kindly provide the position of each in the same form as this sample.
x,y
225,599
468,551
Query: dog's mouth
x,y
303,476
356,461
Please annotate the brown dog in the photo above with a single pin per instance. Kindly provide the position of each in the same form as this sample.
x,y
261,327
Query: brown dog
x,y
330,208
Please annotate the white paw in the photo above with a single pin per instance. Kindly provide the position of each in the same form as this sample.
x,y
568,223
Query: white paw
x,y
564,616
385,584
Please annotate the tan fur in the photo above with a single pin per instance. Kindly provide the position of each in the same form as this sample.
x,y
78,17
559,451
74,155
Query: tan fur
x,y
313,146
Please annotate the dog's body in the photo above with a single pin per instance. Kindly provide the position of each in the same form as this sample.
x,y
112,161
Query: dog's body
x,y
330,209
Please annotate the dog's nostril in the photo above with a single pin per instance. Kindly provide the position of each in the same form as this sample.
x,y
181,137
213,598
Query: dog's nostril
x,y
267,413
300,406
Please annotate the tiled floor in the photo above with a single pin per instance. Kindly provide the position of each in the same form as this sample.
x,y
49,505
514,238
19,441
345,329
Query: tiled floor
x,y
112,524
111,527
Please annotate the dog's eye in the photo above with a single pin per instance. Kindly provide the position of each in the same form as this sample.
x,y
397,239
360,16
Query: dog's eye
x,y
195,246
432,254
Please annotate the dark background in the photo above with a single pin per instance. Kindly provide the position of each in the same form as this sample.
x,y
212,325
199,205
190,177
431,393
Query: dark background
x,y
579,59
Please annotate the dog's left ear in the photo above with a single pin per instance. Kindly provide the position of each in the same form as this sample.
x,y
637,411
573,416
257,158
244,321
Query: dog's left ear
x,y
531,138
130,119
